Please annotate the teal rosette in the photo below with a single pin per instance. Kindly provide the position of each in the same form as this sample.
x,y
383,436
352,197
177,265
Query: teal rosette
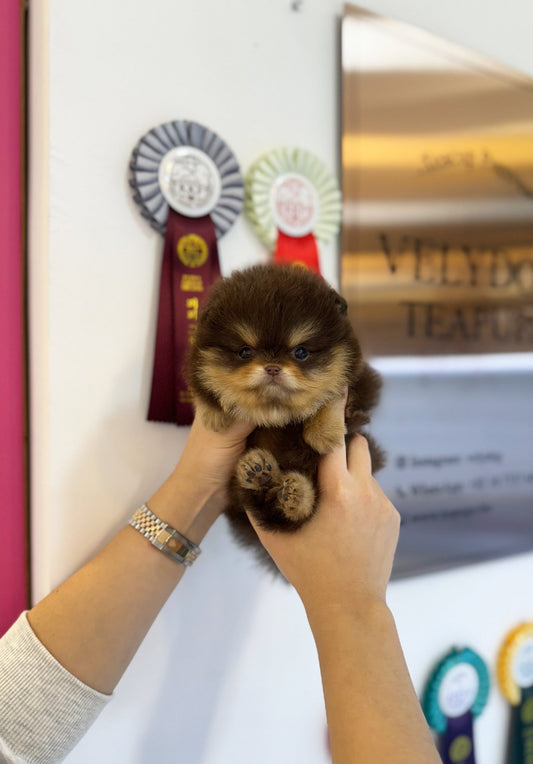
x,y
432,700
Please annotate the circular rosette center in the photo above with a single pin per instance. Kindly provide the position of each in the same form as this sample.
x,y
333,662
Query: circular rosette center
x,y
189,181
522,664
289,190
294,203
458,690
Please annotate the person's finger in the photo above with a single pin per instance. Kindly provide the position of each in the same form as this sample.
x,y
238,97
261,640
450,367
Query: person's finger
x,y
359,461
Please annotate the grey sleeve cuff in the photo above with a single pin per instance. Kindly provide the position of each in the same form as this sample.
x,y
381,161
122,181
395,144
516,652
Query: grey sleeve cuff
x,y
44,709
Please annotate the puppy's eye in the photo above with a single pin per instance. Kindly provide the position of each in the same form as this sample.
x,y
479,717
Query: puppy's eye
x,y
300,353
245,353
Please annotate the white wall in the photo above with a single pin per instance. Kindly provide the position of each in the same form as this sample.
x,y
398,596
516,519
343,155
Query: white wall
x,y
228,672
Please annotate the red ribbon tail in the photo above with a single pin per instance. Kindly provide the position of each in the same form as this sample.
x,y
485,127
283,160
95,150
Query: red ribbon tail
x,y
301,250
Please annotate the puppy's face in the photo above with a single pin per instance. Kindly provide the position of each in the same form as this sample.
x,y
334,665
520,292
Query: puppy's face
x,y
273,345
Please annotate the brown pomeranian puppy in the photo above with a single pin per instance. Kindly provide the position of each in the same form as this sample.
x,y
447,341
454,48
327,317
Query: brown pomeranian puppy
x,y
274,347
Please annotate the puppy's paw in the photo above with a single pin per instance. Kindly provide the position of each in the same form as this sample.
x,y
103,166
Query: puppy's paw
x,y
256,470
296,497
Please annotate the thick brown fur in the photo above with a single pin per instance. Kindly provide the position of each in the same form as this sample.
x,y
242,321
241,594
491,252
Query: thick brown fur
x,y
274,347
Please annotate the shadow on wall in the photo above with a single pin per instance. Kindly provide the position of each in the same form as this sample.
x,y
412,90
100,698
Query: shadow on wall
x,y
170,699
121,461
208,622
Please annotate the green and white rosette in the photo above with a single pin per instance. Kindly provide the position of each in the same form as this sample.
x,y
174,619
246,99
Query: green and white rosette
x,y
515,677
292,201
455,695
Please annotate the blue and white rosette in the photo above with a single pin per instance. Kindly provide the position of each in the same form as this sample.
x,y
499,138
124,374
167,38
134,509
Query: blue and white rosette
x,y
455,694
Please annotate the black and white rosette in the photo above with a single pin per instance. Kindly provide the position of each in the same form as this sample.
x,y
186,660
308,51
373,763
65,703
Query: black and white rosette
x,y
188,185
189,167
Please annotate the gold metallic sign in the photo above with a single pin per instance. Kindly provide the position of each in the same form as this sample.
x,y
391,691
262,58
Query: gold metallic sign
x,y
437,157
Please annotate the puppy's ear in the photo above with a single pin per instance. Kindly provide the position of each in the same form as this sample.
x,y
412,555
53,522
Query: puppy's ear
x,y
341,304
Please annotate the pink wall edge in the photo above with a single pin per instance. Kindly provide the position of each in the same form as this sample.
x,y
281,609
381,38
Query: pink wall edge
x,y
13,573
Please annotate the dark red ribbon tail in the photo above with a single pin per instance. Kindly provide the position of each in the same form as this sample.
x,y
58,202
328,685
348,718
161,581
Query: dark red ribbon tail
x,y
190,264
162,406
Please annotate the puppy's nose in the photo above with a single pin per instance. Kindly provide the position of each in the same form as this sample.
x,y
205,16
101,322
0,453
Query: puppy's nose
x,y
272,370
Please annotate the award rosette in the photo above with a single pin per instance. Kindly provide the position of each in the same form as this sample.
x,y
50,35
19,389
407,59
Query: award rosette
x,y
189,187
455,694
515,677
292,200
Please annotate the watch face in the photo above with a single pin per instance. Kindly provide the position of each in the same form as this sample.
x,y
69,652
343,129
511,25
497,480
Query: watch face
x,y
189,181
294,204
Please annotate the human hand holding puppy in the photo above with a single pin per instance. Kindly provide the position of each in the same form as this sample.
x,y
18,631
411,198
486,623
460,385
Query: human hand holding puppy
x,y
340,563
342,558
201,477
273,354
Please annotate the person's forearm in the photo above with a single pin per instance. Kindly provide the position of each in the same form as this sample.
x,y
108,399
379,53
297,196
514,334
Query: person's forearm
x,y
372,709
95,621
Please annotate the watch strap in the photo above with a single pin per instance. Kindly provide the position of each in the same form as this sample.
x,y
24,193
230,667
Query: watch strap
x,y
164,537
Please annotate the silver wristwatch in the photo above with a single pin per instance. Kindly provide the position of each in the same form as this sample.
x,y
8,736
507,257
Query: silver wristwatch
x,y
164,537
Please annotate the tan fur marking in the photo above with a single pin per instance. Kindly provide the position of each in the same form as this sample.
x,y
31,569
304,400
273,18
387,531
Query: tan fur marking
x,y
212,418
243,395
302,334
323,431
247,334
